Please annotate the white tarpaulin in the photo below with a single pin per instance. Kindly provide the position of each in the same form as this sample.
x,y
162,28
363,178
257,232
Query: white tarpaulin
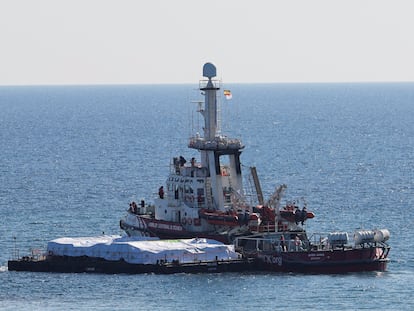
x,y
136,250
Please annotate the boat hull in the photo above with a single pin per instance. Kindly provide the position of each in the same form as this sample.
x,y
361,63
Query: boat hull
x,y
67,264
326,262
152,227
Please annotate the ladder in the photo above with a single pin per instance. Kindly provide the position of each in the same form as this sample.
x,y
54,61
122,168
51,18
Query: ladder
x,y
209,199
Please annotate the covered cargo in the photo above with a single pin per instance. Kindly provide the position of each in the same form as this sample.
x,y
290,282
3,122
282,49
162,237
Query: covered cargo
x,y
137,251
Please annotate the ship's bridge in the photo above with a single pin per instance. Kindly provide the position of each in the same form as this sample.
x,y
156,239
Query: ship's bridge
x,y
219,143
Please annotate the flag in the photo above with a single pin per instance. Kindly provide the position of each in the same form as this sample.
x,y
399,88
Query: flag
x,y
227,94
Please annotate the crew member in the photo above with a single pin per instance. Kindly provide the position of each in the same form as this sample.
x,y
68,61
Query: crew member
x,y
161,192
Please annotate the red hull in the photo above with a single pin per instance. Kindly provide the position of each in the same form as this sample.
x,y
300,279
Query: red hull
x,y
172,230
332,261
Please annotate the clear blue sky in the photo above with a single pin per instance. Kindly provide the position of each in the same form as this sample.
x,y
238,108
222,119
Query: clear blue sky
x,y
155,41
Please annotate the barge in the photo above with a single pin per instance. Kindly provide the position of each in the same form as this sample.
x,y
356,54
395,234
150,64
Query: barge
x,y
114,254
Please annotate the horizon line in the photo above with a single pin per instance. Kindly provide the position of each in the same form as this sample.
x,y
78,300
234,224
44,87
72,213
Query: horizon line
x,y
192,83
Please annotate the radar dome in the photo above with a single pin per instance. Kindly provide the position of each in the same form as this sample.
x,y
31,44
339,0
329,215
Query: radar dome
x,y
209,70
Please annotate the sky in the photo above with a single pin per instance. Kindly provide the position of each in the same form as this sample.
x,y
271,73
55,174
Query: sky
x,y
168,41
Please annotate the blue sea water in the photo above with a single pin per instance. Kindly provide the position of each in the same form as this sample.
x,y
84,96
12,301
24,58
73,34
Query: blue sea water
x,y
73,157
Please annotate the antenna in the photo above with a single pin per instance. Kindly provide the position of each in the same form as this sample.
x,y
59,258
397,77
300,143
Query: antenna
x,y
15,252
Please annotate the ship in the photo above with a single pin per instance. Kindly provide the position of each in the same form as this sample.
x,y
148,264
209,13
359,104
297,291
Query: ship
x,y
320,253
204,221
205,197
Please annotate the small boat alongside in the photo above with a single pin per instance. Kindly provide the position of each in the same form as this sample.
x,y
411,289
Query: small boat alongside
x,y
320,253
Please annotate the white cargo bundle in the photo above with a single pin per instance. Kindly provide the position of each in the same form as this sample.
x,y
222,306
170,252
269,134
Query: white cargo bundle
x,y
138,251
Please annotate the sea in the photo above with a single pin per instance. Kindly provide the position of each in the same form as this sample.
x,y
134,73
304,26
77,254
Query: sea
x,y
72,158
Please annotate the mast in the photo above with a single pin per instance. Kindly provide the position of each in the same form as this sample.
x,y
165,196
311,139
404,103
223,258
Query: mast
x,y
210,95
213,145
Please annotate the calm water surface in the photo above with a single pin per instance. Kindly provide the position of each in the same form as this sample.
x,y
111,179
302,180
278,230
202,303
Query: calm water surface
x,y
72,158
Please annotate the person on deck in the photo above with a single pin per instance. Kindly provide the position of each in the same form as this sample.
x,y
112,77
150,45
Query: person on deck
x,y
161,192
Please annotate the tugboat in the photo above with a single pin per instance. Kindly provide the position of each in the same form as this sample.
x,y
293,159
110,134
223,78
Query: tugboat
x,y
205,198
